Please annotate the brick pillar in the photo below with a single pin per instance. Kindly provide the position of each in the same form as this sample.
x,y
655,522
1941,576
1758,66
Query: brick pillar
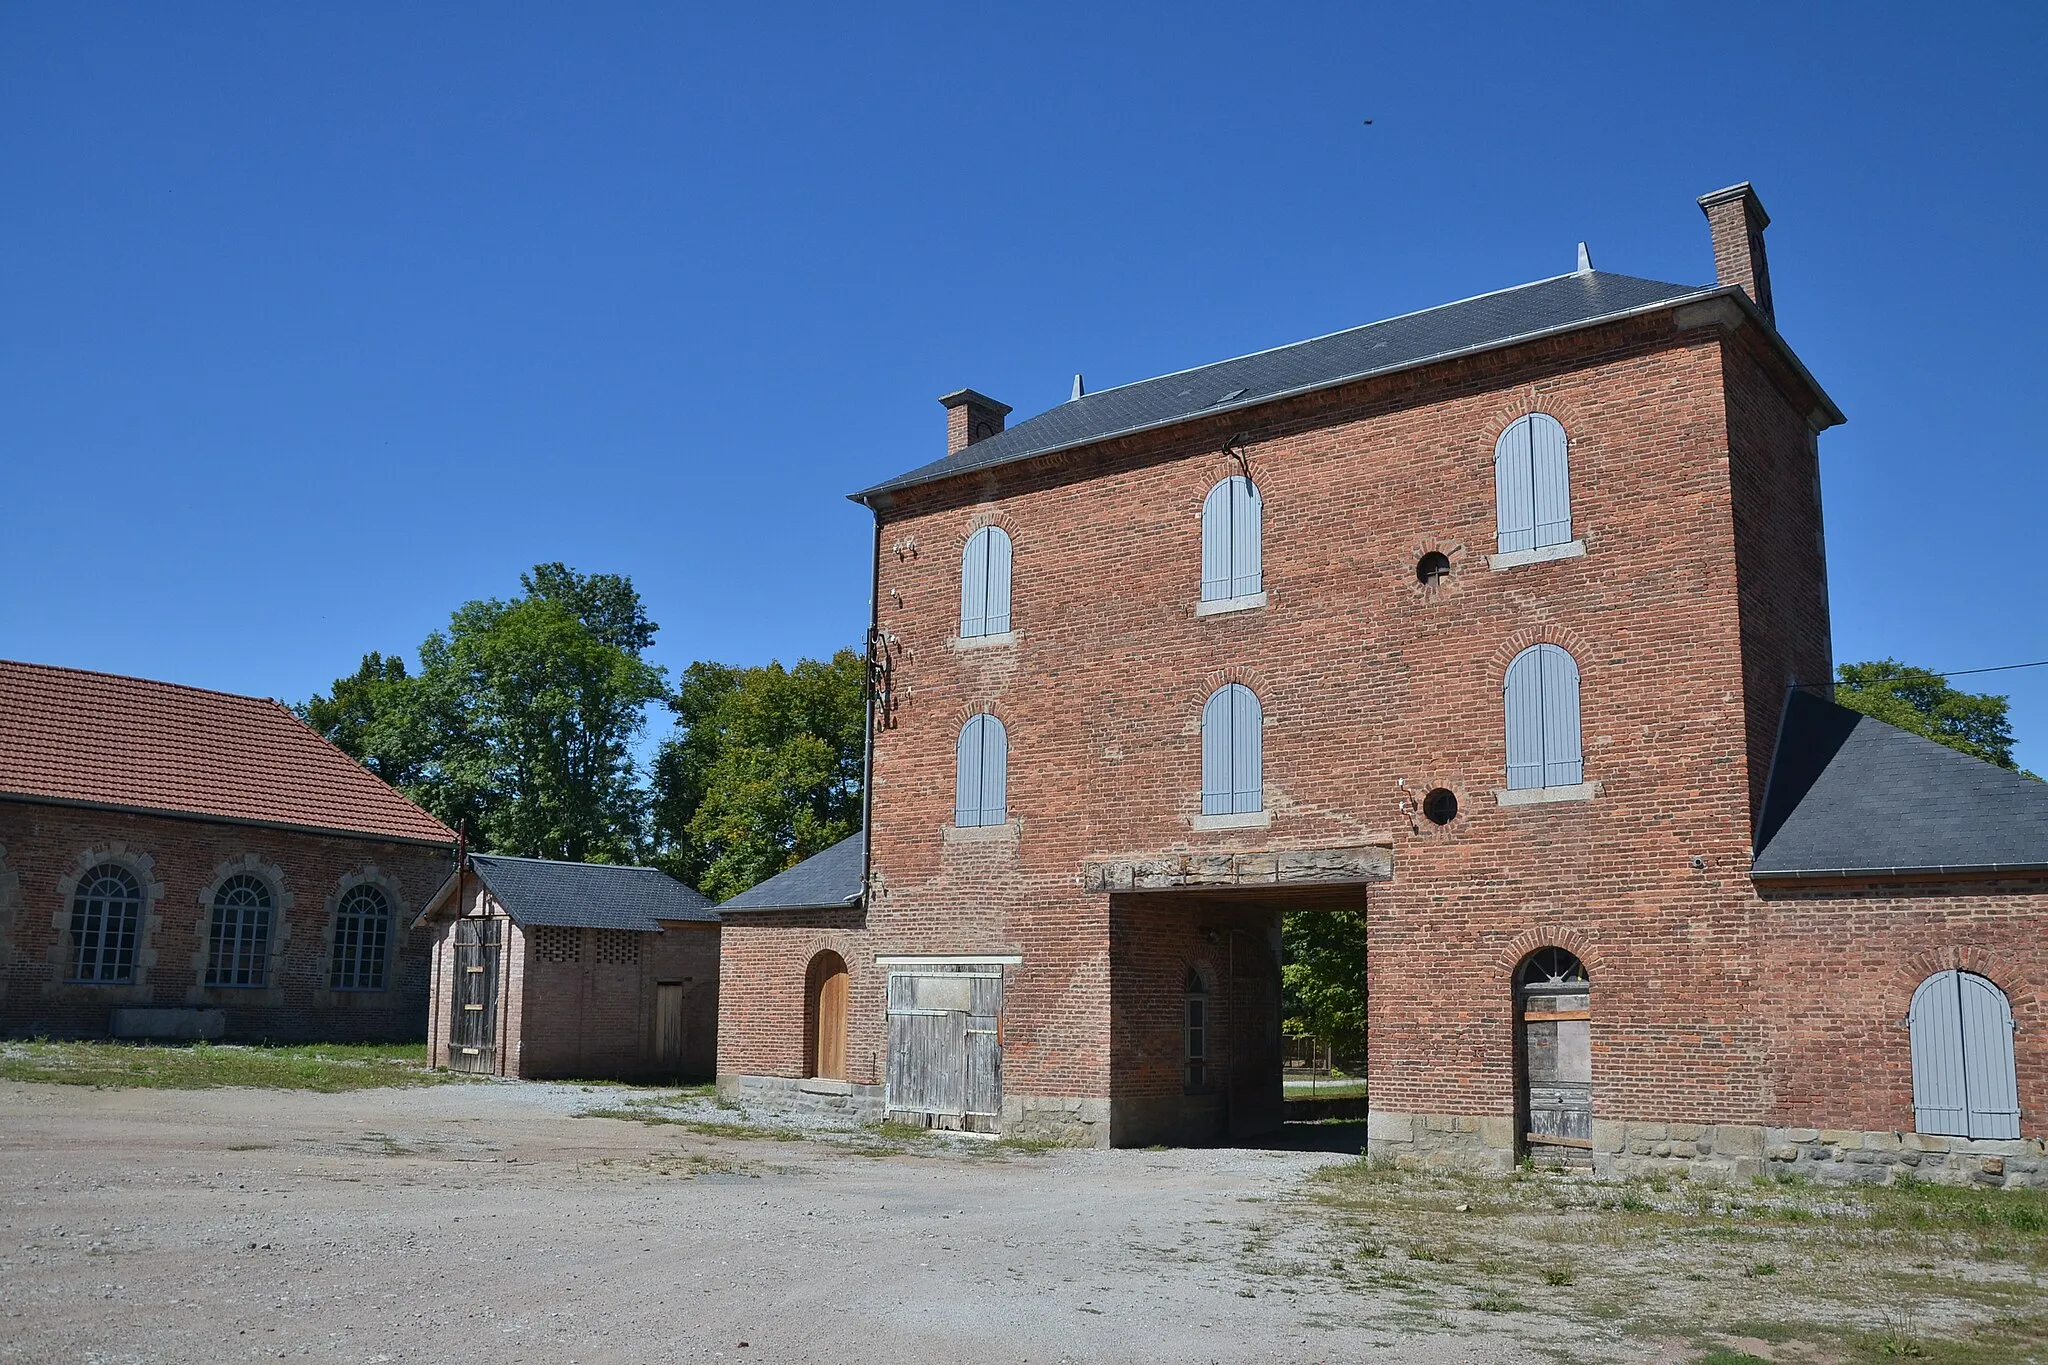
x,y
971,417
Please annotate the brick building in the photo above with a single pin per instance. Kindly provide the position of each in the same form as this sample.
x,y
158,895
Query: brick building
x,y
177,862
548,969
1480,620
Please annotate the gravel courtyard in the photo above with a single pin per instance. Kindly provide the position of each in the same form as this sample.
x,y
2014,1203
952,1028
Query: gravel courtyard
x,y
489,1222
494,1221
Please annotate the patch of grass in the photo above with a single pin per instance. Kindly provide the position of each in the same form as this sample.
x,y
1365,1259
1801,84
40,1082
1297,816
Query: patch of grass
x,y
1498,1301
901,1132
327,1067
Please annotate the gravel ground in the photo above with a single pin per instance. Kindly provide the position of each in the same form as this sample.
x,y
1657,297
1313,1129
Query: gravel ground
x,y
489,1222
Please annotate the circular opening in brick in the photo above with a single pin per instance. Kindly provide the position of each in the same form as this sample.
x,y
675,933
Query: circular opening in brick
x,y
1433,567
1440,807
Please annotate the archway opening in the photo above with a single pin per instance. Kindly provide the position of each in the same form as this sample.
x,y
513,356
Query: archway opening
x,y
825,1018
1554,1058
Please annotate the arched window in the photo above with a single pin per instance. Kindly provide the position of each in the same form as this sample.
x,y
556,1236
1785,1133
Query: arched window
x,y
1532,485
825,1017
1964,1081
985,583
1541,698
362,935
238,948
1196,1031
1232,524
1233,753
106,920
981,780
1554,1001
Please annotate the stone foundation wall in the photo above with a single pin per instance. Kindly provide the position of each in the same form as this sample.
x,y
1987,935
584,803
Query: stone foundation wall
x,y
1724,1151
1071,1121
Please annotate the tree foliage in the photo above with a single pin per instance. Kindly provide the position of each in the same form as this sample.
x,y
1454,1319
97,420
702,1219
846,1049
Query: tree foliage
x,y
1974,723
764,769
1322,984
521,720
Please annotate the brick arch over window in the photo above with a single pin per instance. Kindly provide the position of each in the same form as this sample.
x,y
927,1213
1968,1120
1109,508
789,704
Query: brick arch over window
x,y
272,877
142,868
1560,404
1542,633
1517,950
1202,476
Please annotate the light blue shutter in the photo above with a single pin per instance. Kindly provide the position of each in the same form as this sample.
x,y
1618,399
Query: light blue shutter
x,y
967,774
1551,481
1514,492
1247,529
1990,1082
1216,783
1216,557
998,612
974,585
1247,752
995,772
1563,763
1935,1022
1523,702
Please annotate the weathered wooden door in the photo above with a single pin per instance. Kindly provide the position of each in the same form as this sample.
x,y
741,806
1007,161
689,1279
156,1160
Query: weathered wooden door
x,y
1556,1047
945,1046
473,1031
668,1025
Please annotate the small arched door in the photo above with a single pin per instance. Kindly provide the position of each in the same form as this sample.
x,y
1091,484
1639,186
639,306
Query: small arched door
x,y
825,1018
1554,1028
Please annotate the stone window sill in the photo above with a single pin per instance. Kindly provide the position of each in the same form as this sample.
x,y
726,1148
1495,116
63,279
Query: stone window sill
x,y
1002,638
1543,796
1542,554
1005,833
1223,605
1252,819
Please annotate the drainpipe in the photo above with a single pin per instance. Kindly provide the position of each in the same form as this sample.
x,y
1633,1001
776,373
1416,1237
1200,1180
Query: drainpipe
x,y
867,758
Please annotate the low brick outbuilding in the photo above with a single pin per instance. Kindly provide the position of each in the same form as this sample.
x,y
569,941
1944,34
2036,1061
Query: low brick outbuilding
x,y
548,969
176,862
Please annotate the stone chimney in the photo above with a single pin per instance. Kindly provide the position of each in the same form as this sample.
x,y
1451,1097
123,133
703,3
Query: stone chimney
x,y
971,417
1737,221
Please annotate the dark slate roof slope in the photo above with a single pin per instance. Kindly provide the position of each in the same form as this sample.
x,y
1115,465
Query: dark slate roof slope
x,y
1452,329
824,881
1850,795
589,895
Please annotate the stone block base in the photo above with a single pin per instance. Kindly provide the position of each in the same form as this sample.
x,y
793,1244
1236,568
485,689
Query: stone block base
x,y
187,1025
1071,1121
1721,1151
792,1095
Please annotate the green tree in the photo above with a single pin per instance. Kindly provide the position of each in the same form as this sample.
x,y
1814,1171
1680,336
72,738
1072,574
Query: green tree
x,y
521,720
1322,984
1974,723
763,771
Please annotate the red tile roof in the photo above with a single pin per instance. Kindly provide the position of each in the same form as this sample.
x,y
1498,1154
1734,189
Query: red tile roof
x,y
93,738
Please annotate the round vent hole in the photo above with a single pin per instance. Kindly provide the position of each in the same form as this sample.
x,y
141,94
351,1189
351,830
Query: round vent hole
x,y
1440,807
1432,568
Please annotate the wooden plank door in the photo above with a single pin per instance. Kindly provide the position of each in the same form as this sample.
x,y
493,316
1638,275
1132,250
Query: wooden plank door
x,y
985,1051
945,1047
668,1025
830,1062
473,1030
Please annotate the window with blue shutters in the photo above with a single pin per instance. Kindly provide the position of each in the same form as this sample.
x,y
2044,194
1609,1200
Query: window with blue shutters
x,y
1964,1081
1532,485
1232,524
985,583
1541,699
1233,753
982,773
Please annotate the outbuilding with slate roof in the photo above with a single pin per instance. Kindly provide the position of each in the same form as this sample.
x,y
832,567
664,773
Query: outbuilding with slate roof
x,y
176,862
550,969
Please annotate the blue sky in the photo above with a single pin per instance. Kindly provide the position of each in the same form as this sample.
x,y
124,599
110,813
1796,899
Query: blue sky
x,y
316,321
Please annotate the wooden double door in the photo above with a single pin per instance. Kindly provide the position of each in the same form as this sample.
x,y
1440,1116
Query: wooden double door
x,y
473,1025
945,1046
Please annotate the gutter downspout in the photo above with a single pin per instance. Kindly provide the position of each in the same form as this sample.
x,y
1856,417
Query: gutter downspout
x,y
867,757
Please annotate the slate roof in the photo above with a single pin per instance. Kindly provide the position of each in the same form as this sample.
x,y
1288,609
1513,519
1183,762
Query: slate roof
x,y
830,880
1850,796
1453,329
96,739
589,895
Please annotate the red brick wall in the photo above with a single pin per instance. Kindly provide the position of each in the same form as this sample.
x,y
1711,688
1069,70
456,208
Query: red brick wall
x,y
763,958
42,846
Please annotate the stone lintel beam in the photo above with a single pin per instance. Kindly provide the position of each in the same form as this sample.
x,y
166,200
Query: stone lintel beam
x,y
1219,871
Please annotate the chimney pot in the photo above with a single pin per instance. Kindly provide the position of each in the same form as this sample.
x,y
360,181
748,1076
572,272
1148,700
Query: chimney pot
x,y
1736,220
971,417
